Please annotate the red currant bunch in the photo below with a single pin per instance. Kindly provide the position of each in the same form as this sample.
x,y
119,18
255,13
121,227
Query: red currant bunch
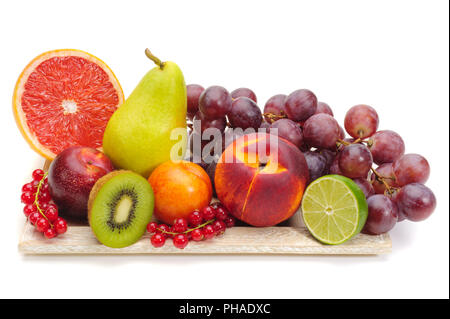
x,y
207,223
39,208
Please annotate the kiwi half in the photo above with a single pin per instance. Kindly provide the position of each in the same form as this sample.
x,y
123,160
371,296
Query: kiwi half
x,y
120,207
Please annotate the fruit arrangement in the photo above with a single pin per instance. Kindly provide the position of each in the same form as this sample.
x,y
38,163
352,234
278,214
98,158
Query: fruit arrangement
x,y
155,161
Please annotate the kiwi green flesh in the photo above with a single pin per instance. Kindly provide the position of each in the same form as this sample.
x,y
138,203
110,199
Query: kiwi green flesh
x,y
121,208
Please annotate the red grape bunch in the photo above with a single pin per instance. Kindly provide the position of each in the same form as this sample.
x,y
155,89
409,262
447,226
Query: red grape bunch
x,y
207,223
392,181
39,208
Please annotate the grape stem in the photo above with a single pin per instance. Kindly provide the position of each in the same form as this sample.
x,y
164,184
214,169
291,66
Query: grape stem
x,y
36,197
189,229
156,60
390,190
274,117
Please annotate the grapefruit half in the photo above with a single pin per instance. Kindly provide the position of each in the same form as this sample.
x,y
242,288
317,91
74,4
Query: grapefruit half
x,y
65,98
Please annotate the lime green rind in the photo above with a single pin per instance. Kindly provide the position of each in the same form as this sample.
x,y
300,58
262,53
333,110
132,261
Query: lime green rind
x,y
349,206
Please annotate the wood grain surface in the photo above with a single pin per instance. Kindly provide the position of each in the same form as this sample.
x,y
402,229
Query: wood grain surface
x,y
292,238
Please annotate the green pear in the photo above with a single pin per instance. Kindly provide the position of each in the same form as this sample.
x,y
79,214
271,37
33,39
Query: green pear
x,y
150,127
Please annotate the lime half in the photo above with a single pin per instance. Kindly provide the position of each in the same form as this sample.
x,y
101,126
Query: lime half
x,y
334,209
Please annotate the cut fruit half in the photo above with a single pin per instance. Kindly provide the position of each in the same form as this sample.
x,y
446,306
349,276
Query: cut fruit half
x,y
120,206
334,209
65,98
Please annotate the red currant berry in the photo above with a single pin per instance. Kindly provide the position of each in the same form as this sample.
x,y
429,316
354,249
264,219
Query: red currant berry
x,y
151,227
208,213
27,198
219,227
180,241
180,225
44,197
197,235
51,213
158,240
208,232
221,213
44,188
33,218
162,228
42,225
28,209
230,221
28,187
195,218
38,174
60,225
50,233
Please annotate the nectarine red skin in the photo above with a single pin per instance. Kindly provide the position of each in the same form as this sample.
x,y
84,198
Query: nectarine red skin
x,y
71,176
266,194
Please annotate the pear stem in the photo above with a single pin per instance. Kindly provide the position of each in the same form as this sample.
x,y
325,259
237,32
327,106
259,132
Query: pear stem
x,y
157,61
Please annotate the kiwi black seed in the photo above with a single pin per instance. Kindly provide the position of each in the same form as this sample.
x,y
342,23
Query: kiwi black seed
x,y
120,207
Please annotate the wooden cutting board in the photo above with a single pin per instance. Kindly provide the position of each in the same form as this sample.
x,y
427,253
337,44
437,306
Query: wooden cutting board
x,y
292,238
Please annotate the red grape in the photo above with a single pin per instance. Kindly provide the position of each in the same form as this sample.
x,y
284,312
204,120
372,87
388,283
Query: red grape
x,y
411,168
365,186
193,92
264,127
317,165
386,146
245,113
323,107
300,105
383,215
244,92
205,123
275,105
288,130
215,102
334,167
321,131
385,170
416,201
361,121
355,161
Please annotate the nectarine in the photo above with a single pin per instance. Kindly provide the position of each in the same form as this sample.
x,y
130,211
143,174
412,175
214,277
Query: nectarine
x,y
260,178
179,188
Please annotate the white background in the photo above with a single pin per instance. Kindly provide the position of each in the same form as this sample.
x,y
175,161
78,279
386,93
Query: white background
x,y
392,55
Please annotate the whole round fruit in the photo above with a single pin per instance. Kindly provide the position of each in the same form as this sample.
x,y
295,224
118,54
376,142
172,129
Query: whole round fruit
x,y
317,164
361,121
383,215
205,123
289,130
323,107
386,146
193,92
355,161
245,113
321,131
275,106
71,176
244,92
365,186
260,179
300,105
416,201
179,188
215,102
411,168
